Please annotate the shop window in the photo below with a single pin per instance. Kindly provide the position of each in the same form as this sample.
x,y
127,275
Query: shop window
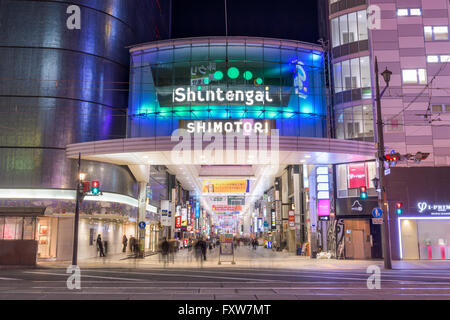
x,y
408,12
17,228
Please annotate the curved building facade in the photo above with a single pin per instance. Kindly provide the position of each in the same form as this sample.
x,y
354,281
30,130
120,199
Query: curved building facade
x,y
227,78
62,85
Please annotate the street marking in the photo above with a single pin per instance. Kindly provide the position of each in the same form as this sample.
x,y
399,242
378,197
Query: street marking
x,y
180,275
10,279
83,276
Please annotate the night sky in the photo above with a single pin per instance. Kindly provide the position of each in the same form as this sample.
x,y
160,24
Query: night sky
x,y
285,19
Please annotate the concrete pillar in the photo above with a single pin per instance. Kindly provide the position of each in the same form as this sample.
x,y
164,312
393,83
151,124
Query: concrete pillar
x,y
297,177
142,205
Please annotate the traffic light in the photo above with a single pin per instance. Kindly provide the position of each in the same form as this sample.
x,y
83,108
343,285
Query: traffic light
x,y
399,207
393,157
363,192
95,188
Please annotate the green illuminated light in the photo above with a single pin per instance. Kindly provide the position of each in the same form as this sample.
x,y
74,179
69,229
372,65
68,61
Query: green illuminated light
x,y
248,75
206,80
259,81
199,88
218,75
233,73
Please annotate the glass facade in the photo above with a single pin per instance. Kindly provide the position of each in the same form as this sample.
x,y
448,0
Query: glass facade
x,y
349,28
355,123
227,80
353,74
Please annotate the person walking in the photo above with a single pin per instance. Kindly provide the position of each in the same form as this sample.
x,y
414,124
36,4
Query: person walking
x,y
132,240
203,247
165,250
124,242
100,246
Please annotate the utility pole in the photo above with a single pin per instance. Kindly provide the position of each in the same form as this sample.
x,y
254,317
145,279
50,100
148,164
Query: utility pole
x,y
77,215
226,18
382,201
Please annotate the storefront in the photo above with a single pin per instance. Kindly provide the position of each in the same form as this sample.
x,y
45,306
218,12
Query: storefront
x,y
361,238
421,229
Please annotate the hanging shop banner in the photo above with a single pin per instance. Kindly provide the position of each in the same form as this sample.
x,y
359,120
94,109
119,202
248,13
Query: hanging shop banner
x,y
226,186
236,200
273,219
178,222
184,221
291,220
226,208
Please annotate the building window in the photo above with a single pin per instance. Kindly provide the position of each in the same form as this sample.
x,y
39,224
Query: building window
x,y
436,59
436,33
349,28
409,12
352,74
440,108
355,123
414,76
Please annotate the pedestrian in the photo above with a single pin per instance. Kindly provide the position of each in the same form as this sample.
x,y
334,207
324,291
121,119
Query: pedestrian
x,y
100,246
203,247
132,241
165,250
124,242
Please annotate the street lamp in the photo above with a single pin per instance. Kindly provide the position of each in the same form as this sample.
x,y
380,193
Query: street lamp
x,y
382,201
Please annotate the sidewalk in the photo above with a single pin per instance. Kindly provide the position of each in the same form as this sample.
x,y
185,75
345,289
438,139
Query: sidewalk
x,y
246,258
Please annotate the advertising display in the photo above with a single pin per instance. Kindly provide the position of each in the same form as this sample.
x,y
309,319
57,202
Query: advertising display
x,y
323,209
357,173
226,186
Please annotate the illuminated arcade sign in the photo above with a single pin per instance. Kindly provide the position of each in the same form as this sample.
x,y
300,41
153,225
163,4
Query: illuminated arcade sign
x,y
226,186
248,97
245,126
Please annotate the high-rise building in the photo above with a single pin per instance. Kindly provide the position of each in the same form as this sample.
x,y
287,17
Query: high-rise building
x,y
64,71
411,39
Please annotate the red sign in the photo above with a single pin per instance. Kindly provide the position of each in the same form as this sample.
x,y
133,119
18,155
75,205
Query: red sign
x,y
178,222
357,175
291,218
226,208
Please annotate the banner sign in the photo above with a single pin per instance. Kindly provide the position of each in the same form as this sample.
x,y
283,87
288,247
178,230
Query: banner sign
x,y
357,175
226,208
178,222
226,186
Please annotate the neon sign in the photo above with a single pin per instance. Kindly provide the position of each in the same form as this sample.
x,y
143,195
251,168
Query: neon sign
x,y
433,209
248,97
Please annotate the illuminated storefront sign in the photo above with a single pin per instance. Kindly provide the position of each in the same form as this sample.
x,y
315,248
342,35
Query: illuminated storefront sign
x,y
178,222
323,209
226,186
434,209
357,175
